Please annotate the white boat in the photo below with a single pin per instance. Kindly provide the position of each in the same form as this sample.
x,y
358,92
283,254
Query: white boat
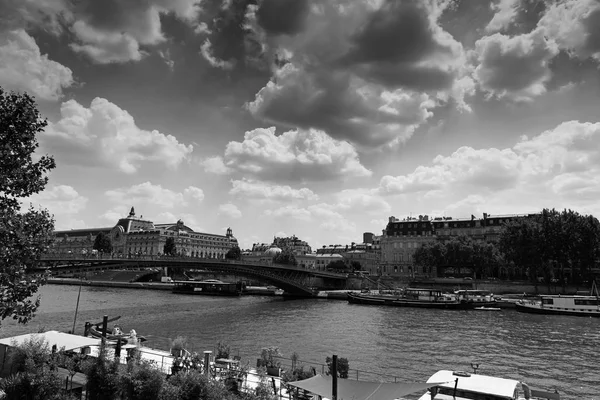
x,y
577,305
466,386
488,308
479,298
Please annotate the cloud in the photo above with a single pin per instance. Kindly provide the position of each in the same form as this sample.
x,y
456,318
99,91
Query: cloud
x,y
330,219
557,168
343,105
362,201
215,165
105,134
60,199
113,31
24,68
289,211
249,189
282,17
505,13
366,72
292,156
146,195
515,67
573,24
206,52
230,210
49,15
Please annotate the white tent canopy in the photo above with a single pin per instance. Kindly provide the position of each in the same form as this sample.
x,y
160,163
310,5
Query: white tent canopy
x,y
360,390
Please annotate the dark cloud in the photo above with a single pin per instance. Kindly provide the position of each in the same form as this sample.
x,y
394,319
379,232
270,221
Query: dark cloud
x,y
400,46
286,17
397,32
592,27
333,102
515,66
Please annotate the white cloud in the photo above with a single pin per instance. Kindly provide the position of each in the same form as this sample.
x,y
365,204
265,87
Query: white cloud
x,y
247,188
61,199
105,134
289,211
106,47
557,168
206,52
506,11
516,67
49,15
230,210
362,201
215,165
573,24
146,195
293,156
24,68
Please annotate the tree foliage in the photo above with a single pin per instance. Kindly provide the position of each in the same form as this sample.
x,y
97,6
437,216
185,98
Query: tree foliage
x,y
102,243
23,235
234,253
337,265
169,247
462,252
286,257
551,243
103,379
34,372
343,366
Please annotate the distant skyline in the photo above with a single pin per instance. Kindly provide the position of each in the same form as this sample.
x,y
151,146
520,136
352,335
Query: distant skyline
x,y
318,119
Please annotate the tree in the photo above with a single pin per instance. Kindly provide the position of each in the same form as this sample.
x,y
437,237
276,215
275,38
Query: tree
x,y
102,243
169,247
285,257
23,235
337,265
103,379
34,374
343,366
234,253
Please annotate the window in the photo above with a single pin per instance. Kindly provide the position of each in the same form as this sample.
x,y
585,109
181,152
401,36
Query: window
x,y
547,301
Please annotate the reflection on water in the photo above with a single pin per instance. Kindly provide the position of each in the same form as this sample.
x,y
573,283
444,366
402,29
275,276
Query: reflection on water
x,y
412,344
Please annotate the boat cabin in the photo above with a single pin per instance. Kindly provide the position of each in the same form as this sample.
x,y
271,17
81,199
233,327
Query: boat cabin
x,y
466,386
475,296
432,295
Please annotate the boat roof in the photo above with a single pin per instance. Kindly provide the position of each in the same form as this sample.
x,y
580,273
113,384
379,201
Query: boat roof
x,y
476,383
60,339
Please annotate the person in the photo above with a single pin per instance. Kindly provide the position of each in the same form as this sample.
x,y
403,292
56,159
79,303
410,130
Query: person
x,y
117,330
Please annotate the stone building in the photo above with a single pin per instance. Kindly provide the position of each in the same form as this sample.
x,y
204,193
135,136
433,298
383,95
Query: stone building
x,y
134,235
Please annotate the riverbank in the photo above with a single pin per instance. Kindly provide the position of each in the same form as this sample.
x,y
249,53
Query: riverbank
x,y
250,290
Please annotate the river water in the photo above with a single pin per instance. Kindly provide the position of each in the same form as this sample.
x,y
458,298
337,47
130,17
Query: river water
x,y
407,343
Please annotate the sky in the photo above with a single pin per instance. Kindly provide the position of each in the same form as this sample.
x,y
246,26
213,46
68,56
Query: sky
x,y
314,118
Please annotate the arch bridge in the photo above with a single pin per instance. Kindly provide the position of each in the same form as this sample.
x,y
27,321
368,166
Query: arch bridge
x,y
293,280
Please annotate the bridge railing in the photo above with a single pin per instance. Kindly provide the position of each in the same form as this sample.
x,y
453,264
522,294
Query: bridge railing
x,y
188,259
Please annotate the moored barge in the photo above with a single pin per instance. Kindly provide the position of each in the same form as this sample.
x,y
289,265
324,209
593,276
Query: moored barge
x,y
412,297
212,287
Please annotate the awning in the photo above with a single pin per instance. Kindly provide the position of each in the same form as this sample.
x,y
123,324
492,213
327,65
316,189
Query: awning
x,y
360,390
60,339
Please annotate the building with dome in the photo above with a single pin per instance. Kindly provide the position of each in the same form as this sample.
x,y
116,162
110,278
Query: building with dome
x,y
134,235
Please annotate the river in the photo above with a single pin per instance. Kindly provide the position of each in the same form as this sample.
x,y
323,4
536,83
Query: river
x,y
410,344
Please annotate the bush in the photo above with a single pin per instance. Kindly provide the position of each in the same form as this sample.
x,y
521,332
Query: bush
x,y
268,357
103,379
142,381
343,367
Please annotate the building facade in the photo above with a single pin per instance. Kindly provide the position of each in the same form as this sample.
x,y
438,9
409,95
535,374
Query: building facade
x,y
133,236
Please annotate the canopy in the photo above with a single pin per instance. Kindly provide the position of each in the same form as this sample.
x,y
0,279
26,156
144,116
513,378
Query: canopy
x,y
360,390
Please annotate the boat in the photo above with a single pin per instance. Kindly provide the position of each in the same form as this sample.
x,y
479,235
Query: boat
x,y
116,334
488,308
560,304
208,287
412,297
479,298
460,385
